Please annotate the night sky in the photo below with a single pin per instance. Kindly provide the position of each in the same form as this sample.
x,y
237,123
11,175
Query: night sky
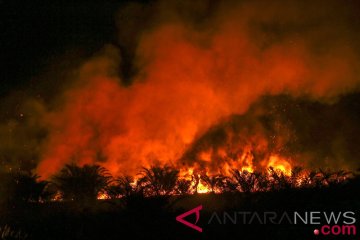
x,y
34,34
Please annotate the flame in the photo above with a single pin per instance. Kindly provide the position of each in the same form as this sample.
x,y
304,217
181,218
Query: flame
x,y
188,82
280,164
194,176
243,163
205,156
103,196
248,169
201,188
57,197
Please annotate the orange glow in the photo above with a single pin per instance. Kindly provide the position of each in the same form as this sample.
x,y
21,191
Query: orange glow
x,y
103,196
205,156
186,173
247,160
188,82
201,188
194,176
57,197
279,164
248,169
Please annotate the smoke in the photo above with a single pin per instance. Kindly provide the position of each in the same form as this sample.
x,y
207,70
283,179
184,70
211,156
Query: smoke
x,y
180,68
304,132
22,131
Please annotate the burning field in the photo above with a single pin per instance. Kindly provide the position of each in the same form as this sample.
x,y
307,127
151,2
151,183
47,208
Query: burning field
x,y
129,101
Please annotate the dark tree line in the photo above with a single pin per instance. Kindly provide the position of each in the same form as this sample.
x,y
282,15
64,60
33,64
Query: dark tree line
x,y
21,186
86,183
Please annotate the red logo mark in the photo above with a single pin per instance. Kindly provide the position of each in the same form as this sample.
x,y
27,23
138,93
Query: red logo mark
x,y
181,217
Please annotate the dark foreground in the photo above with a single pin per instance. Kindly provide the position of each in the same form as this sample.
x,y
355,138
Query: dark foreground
x,y
154,218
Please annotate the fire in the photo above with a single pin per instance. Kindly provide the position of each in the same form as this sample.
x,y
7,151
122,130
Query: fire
x,y
57,197
244,163
279,164
248,169
197,185
247,160
188,82
103,196
205,156
201,188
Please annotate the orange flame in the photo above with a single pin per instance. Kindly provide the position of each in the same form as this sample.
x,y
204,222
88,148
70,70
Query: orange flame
x,y
188,82
201,188
103,196
279,164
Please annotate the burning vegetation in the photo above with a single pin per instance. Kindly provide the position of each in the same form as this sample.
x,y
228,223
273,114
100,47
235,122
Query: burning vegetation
x,y
91,182
243,101
238,88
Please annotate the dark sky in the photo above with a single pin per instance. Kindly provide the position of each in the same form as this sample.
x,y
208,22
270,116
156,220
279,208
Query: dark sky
x,y
33,33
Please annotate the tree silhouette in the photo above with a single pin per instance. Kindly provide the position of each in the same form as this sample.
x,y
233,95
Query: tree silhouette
x,y
311,180
21,186
341,176
245,180
123,186
262,181
183,186
295,177
195,179
278,180
82,183
158,180
329,178
215,182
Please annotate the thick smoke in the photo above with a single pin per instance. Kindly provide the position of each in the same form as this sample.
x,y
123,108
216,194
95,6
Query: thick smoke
x,y
180,68
306,133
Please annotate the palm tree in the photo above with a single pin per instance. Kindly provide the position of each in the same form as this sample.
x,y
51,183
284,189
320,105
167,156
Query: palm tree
x,y
279,180
329,178
195,180
326,177
215,182
123,186
312,179
341,176
82,183
262,181
28,187
158,180
230,185
296,178
21,186
183,186
245,180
